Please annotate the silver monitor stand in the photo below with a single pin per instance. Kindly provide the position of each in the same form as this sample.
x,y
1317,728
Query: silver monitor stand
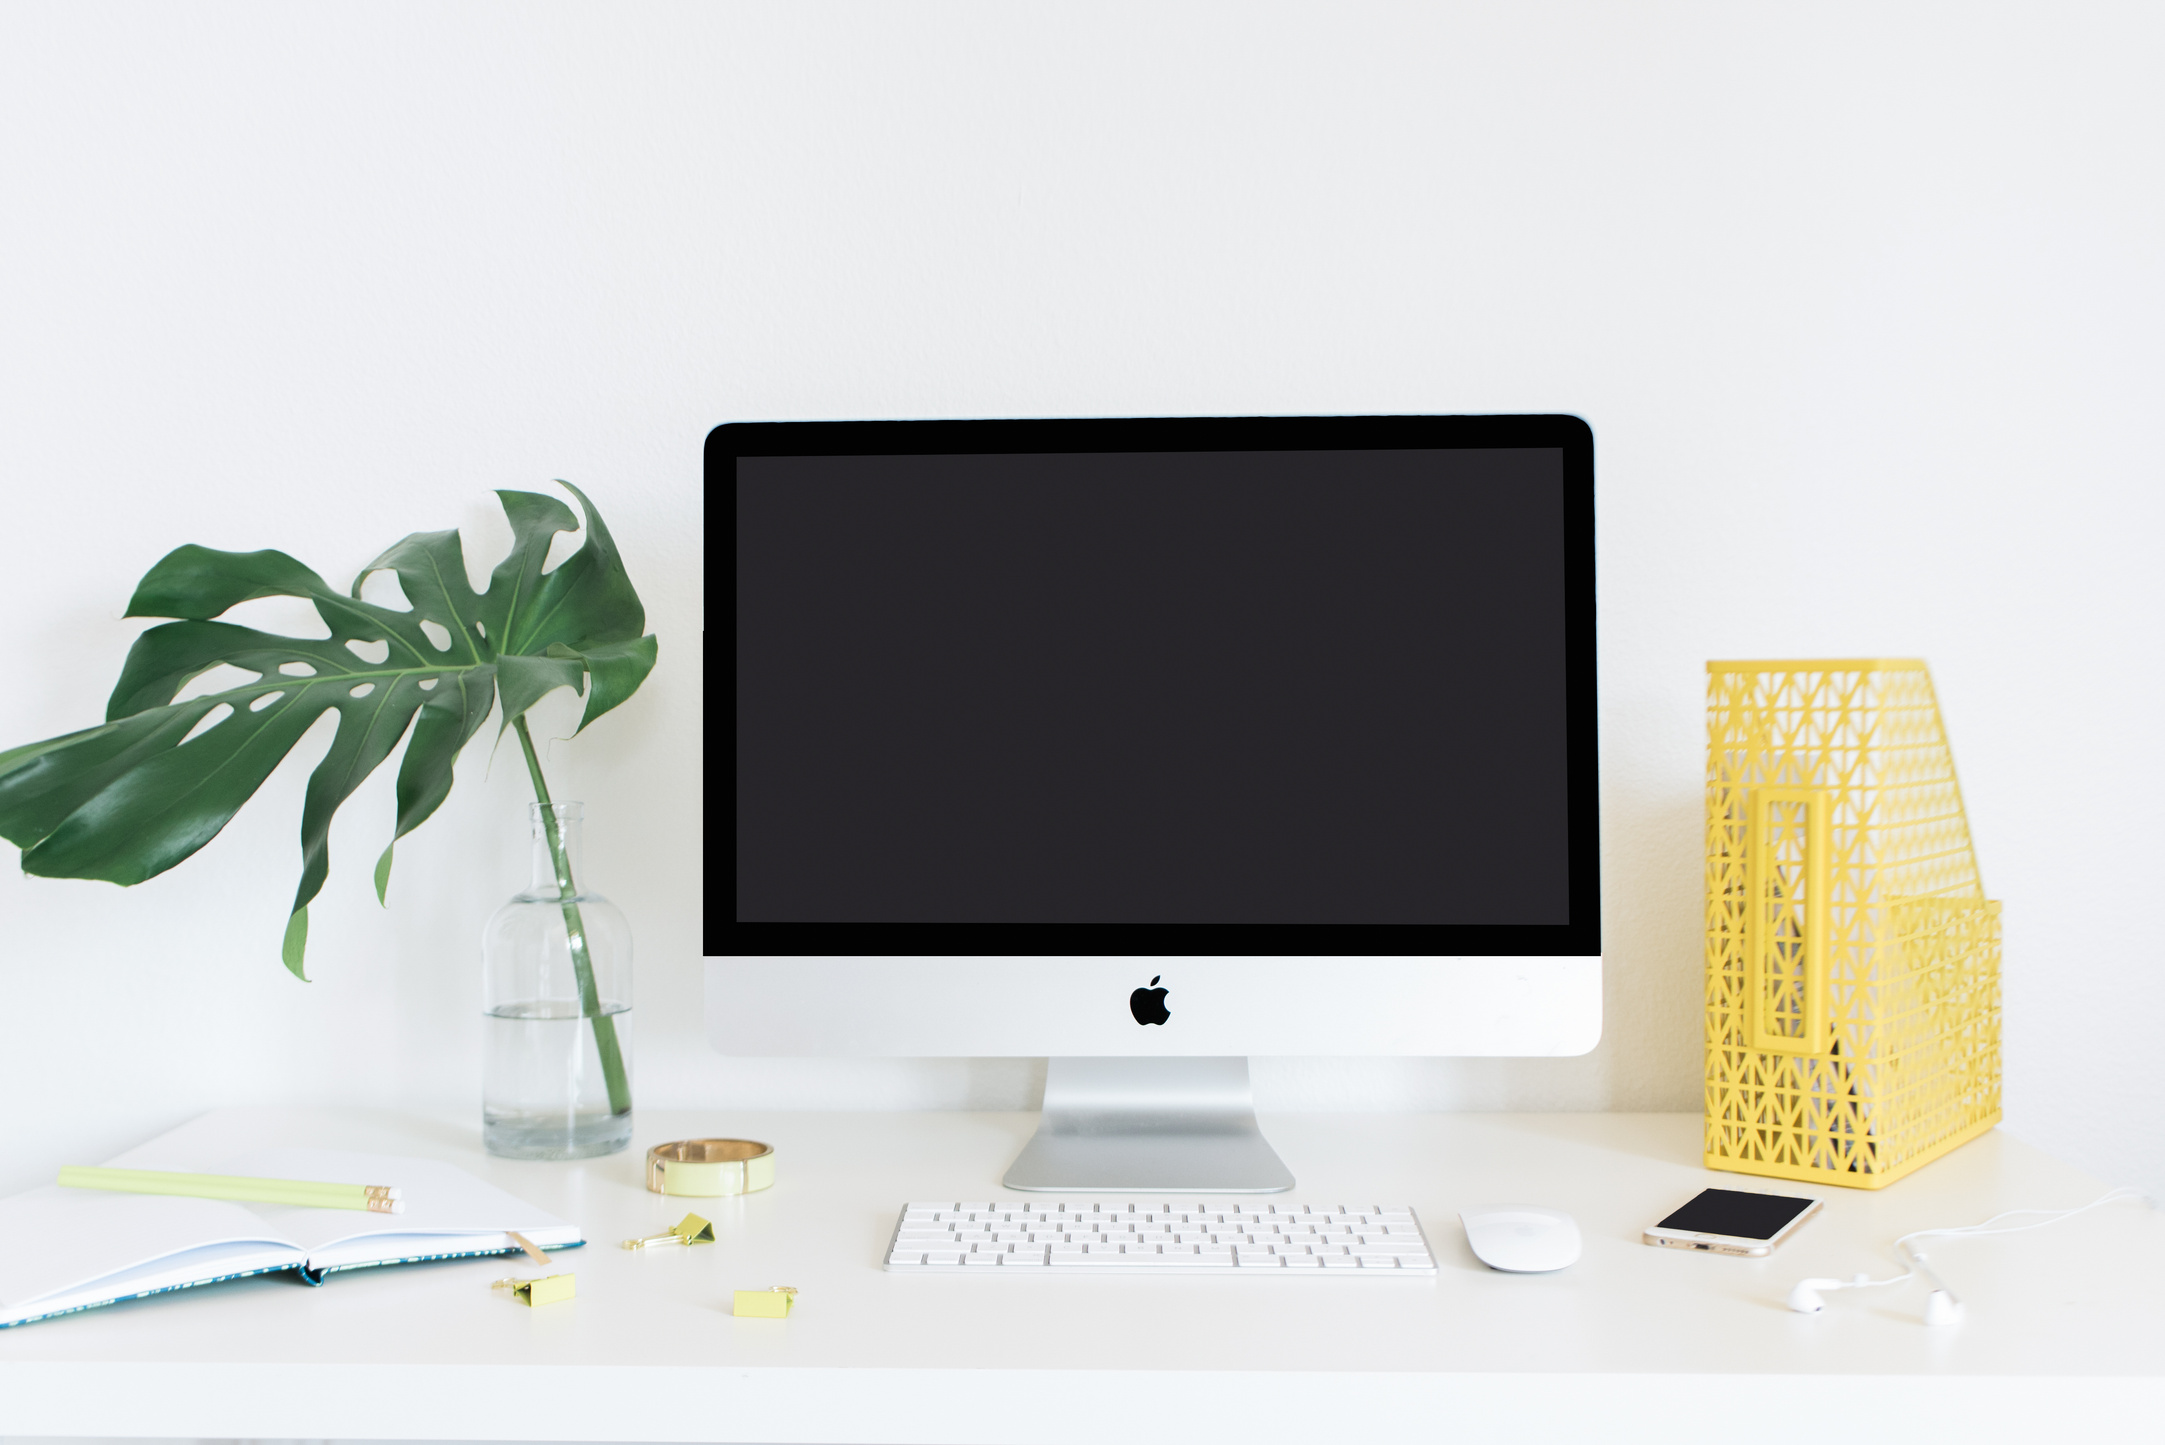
x,y
1149,1125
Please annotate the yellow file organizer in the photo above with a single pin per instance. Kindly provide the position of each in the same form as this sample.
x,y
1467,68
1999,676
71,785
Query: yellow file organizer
x,y
1852,960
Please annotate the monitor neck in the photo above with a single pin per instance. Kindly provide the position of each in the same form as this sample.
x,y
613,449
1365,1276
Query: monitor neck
x,y
1149,1125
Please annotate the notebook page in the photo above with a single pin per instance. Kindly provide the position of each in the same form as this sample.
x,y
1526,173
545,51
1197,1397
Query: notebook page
x,y
440,1199
175,1271
54,1240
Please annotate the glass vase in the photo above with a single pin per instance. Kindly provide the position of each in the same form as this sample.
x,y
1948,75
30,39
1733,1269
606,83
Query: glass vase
x,y
556,992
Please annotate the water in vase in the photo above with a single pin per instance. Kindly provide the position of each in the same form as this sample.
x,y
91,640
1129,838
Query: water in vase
x,y
556,996
544,1095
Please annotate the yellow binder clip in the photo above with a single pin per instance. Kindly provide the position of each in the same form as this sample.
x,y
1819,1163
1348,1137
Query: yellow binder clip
x,y
547,1290
691,1229
765,1304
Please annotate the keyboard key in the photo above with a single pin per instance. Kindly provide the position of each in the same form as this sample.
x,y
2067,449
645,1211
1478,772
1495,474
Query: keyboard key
x,y
943,1256
1339,1261
1301,1261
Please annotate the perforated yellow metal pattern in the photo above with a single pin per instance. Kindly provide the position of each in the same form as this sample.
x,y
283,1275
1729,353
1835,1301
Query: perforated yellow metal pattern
x,y
1852,960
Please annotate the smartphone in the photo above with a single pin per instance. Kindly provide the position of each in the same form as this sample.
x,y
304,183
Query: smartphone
x,y
1729,1221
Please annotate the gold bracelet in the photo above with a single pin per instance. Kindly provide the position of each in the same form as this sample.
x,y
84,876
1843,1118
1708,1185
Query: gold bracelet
x,y
704,1168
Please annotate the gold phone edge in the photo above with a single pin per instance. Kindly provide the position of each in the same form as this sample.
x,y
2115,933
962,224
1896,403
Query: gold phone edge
x,y
1703,1244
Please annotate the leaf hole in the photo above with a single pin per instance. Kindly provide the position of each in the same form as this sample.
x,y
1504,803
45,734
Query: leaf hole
x,y
293,616
372,650
221,678
265,701
561,546
383,588
208,721
364,689
427,684
297,669
439,636
482,628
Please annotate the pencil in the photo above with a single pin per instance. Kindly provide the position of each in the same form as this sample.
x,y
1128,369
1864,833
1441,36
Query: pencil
x,y
375,1198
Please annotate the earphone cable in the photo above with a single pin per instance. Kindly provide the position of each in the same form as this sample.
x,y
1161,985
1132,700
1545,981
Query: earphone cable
x,y
1916,1257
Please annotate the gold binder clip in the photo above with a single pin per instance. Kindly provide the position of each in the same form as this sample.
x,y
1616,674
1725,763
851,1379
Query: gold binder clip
x,y
691,1229
773,1303
547,1290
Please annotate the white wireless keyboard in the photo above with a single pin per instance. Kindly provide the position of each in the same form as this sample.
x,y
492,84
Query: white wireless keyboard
x,y
1230,1235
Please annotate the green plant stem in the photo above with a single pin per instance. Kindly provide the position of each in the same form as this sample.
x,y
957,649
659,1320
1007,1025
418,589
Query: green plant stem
x,y
612,1056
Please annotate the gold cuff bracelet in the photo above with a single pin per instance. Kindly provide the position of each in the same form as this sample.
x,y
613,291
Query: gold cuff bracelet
x,y
704,1168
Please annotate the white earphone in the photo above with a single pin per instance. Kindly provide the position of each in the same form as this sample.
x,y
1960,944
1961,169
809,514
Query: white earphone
x,y
1940,1307
1805,1300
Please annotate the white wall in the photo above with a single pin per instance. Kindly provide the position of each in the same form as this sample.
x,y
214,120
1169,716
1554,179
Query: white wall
x,y
1861,301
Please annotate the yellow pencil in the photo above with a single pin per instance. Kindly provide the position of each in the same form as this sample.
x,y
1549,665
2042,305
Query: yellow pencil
x,y
375,1198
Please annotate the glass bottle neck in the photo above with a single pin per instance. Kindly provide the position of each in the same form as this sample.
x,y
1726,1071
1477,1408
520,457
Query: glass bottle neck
x,y
568,820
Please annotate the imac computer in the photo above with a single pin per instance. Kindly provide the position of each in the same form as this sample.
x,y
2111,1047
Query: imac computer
x,y
1151,745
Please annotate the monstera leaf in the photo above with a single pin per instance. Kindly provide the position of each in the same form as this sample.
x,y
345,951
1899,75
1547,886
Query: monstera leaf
x,y
127,800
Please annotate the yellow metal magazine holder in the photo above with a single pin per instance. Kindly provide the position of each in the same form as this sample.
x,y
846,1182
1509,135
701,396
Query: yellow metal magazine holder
x,y
1852,959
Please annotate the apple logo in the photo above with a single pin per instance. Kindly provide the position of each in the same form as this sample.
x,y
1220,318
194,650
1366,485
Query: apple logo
x,y
1148,1004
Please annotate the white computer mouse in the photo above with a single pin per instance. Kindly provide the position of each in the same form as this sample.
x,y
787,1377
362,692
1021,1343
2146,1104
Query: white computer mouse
x,y
1521,1238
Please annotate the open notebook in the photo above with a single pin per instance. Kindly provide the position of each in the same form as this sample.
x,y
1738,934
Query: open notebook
x,y
69,1249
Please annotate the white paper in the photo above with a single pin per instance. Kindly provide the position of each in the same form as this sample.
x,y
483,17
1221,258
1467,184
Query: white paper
x,y
54,1239
65,1248
174,1271
439,1199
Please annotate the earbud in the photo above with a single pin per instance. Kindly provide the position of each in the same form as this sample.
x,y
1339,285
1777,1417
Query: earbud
x,y
1805,1300
1941,1308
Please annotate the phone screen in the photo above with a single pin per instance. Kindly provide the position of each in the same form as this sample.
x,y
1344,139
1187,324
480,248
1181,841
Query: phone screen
x,y
1739,1215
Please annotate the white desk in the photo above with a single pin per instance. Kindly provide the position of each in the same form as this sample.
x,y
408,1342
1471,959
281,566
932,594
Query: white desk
x,y
2065,1330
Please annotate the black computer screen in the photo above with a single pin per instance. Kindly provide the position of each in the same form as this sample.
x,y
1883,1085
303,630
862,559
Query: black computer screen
x,y
1283,686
